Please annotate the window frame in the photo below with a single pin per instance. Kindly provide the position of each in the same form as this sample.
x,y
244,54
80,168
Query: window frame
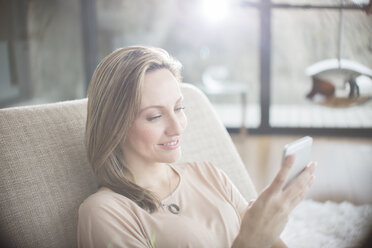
x,y
265,9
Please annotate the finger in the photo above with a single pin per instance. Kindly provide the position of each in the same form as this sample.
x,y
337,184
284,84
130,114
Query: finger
x,y
311,167
296,200
301,180
281,178
301,185
306,173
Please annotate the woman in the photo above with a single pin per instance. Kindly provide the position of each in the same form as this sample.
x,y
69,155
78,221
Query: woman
x,y
134,125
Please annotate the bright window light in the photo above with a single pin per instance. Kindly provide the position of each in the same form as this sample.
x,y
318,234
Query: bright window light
x,y
215,10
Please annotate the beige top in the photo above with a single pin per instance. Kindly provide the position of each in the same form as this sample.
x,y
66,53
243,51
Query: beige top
x,y
210,214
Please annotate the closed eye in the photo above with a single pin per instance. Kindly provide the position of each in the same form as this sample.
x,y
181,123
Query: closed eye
x,y
180,108
153,118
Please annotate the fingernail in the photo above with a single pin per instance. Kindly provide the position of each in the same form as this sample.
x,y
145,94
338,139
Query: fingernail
x,y
312,178
289,157
313,165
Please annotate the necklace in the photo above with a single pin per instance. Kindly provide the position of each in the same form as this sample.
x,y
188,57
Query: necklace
x,y
173,208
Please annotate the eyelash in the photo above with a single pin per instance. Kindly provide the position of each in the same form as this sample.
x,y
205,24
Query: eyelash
x,y
158,116
154,118
180,108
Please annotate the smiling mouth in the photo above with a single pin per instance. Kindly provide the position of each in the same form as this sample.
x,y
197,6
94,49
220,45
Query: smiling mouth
x,y
171,145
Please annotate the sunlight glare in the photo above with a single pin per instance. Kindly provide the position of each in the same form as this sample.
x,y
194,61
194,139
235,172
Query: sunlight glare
x,y
215,10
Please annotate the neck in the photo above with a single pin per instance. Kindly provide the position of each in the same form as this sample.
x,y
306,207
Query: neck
x,y
150,176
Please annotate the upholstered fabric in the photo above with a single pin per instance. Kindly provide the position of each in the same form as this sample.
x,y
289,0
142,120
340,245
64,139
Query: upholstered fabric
x,y
44,173
206,139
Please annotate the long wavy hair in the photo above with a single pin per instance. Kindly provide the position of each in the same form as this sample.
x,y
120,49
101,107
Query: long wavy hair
x,y
114,97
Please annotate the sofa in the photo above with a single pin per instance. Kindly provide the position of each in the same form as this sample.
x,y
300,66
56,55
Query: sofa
x,y
45,174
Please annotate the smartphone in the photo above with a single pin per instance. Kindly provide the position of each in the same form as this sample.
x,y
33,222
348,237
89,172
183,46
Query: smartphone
x,y
301,148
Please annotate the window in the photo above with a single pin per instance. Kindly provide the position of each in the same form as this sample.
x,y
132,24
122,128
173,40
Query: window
x,y
217,45
40,52
250,57
301,38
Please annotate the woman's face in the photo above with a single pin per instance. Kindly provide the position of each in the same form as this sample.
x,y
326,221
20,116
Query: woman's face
x,y
156,132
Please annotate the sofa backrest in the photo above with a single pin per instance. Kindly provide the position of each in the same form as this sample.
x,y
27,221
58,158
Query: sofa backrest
x,y
206,139
45,175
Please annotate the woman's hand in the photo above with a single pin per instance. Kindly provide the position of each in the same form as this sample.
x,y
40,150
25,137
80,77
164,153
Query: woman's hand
x,y
266,218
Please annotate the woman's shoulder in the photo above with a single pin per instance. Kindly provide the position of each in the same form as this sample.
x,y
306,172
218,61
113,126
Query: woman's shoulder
x,y
102,195
103,201
104,216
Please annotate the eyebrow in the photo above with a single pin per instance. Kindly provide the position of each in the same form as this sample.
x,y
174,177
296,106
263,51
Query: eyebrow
x,y
159,106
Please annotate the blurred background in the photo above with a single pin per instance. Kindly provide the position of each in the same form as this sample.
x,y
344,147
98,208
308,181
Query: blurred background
x,y
269,67
250,57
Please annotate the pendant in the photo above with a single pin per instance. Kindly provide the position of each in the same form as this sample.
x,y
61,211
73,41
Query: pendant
x,y
174,208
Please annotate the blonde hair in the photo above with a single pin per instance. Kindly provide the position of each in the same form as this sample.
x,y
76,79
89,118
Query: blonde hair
x,y
114,97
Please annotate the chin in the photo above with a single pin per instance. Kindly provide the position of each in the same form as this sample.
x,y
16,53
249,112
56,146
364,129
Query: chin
x,y
172,158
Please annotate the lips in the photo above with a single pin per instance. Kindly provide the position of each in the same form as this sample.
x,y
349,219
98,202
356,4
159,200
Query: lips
x,y
171,145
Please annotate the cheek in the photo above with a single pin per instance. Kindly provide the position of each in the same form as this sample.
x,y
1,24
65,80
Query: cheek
x,y
148,135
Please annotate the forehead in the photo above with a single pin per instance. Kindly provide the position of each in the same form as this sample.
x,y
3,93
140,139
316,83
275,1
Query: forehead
x,y
160,88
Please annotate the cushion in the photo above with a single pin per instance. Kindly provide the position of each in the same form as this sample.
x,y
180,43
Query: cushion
x,y
44,174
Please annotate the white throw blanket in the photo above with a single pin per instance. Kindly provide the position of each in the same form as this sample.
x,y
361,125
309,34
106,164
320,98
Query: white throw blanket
x,y
314,224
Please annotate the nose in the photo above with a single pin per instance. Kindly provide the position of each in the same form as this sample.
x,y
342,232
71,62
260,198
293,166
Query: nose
x,y
176,125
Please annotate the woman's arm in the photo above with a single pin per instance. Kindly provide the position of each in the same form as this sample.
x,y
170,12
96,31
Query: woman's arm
x,y
266,218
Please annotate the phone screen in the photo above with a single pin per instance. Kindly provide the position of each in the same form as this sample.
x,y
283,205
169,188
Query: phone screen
x,y
301,148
